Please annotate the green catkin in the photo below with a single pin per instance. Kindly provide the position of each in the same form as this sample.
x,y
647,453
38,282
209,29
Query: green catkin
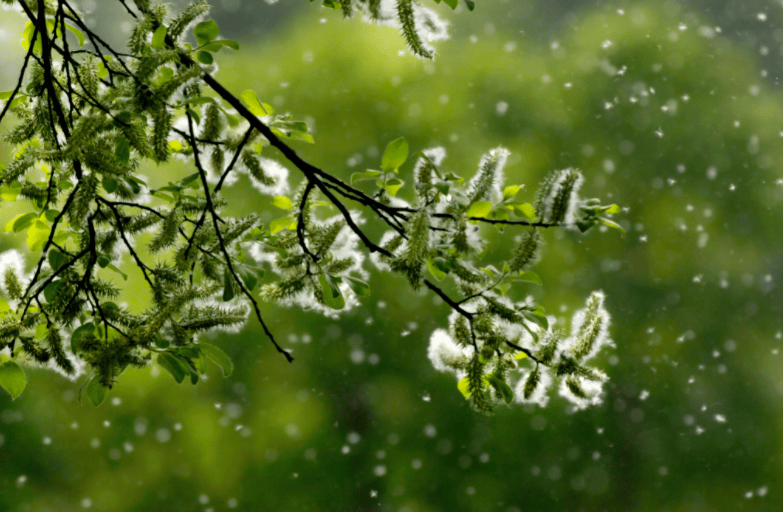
x,y
526,253
161,128
408,29
187,16
532,381
562,197
168,232
55,343
411,262
252,163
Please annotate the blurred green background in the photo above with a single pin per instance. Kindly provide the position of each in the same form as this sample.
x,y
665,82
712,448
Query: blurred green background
x,y
671,109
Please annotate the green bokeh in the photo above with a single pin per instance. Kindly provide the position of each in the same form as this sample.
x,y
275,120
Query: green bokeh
x,y
678,126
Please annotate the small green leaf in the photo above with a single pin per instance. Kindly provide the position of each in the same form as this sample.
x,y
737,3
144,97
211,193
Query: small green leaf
x,y
530,277
37,235
358,287
218,357
278,225
96,392
612,209
85,331
254,106
525,208
332,295
511,191
21,222
228,286
206,31
394,155
12,379
172,365
611,224
479,209
78,33
282,202
109,184
368,175
451,3
502,387
205,57
122,151
434,270
520,355
464,387
159,37
393,186
10,192
249,278
51,289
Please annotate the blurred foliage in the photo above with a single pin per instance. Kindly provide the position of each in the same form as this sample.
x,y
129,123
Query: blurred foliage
x,y
672,121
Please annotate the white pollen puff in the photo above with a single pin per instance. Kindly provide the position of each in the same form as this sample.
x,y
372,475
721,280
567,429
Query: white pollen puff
x,y
274,169
592,391
436,156
540,396
443,352
430,27
375,257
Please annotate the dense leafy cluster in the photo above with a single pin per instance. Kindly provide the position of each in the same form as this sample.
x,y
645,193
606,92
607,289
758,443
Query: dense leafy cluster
x,y
86,122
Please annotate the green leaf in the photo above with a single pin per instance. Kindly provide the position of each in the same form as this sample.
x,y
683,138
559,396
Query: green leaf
x,y
520,355
249,278
204,57
96,392
278,225
159,37
228,286
434,270
21,222
282,202
393,186
451,3
471,4
502,387
368,175
479,209
218,357
51,289
122,151
525,209
358,286
511,191
611,224
117,271
254,106
37,235
301,136
27,37
464,387
12,379
85,331
10,192
172,365
206,31
530,277
4,307
394,155
78,33
612,209
109,184
333,298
